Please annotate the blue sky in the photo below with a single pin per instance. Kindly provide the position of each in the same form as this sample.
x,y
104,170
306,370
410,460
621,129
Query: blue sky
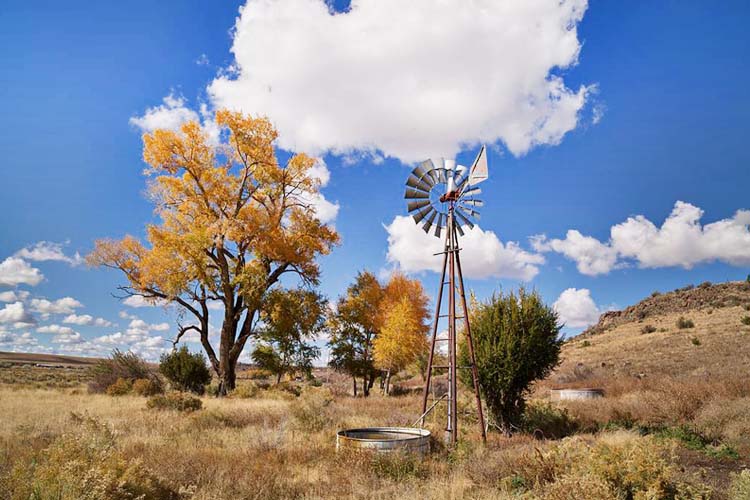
x,y
662,119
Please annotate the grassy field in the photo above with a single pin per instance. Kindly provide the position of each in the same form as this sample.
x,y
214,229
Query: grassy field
x,y
674,424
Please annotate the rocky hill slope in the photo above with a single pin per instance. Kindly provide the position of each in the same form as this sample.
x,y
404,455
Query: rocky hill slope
x,y
701,331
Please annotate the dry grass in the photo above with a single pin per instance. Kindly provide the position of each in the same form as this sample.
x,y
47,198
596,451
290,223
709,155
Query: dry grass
x,y
269,447
674,424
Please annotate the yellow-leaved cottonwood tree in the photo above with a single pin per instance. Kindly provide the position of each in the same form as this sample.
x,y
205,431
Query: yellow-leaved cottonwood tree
x,y
233,222
378,329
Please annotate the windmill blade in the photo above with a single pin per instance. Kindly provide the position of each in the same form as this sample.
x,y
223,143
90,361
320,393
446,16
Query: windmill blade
x,y
417,184
422,171
422,214
440,225
479,172
476,215
442,177
411,194
472,191
460,231
465,220
476,203
414,205
428,224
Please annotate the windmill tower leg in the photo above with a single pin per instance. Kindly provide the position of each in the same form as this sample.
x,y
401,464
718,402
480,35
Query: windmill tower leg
x,y
470,345
452,427
428,378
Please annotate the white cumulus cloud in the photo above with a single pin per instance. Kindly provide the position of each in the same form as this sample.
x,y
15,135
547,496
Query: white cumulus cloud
x,y
16,271
170,115
86,319
680,241
65,305
576,308
13,296
56,330
49,251
138,301
12,340
483,254
408,79
15,313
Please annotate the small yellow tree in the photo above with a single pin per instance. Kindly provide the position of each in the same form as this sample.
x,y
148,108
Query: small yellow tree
x,y
403,314
233,222
401,340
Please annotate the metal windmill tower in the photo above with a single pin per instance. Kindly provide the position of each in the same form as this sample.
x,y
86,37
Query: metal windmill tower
x,y
441,196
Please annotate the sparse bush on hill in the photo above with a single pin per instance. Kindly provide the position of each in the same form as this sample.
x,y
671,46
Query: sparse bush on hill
x,y
516,341
648,329
120,388
178,401
120,365
745,320
185,370
147,387
695,341
683,323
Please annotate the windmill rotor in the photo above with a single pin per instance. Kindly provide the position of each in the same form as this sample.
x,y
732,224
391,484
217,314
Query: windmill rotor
x,y
437,185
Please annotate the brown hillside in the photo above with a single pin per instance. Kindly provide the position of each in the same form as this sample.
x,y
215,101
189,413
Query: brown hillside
x,y
644,341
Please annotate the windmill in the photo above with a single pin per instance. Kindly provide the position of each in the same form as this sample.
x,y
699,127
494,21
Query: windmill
x,y
442,196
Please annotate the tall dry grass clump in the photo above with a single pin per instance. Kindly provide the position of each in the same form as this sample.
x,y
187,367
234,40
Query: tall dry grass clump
x,y
84,463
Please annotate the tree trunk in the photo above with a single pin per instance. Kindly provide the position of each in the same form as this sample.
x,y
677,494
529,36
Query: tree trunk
x,y
388,383
354,379
227,380
278,378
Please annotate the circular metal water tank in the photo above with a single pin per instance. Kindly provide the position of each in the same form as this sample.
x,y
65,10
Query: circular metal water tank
x,y
384,439
569,394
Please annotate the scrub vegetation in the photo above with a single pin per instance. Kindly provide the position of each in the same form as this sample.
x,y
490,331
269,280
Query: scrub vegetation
x,y
671,426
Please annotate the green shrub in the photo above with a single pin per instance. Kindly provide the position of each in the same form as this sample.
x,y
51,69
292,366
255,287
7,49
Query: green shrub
x,y
648,329
585,343
705,284
547,421
745,320
120,388
740,487
683,323
692,439
84,464
185,370
120,365
178,401
310,410
516,341
696,341
147,387
655,293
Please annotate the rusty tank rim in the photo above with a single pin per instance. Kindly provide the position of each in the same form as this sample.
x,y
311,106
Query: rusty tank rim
x,y
409,434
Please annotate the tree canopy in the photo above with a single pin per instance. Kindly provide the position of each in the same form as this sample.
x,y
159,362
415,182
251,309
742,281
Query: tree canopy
x,y
233,221
291,320
378,327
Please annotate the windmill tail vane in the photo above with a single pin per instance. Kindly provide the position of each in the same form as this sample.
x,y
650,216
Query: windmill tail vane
x,y
442,194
